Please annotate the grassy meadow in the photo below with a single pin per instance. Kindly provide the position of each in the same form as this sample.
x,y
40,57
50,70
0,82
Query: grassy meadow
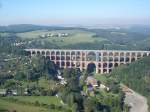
x,y
27,103
75,37
7,106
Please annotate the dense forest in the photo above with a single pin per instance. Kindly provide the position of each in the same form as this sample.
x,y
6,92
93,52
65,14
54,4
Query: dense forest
x,y
136,76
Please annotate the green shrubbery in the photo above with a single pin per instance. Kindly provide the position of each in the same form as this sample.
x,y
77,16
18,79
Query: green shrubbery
x,y
137,73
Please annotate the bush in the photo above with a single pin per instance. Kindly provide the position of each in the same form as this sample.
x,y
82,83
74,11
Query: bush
x,y
52,106
52,93
44,105
44,93
37,103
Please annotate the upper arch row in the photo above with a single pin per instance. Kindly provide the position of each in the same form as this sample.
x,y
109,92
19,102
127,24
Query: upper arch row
x,y
83,52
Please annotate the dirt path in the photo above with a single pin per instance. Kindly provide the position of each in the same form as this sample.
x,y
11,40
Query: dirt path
x,y
137,102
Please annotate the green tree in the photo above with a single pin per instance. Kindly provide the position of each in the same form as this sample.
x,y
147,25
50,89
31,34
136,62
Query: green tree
x,y
89,105
75,107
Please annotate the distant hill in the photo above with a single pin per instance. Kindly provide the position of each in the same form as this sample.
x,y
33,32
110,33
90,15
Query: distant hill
x,y
144,29
28,27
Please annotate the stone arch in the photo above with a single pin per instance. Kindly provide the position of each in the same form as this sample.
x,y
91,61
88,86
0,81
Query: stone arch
x,y
116,54
53,53
99,70
78,64
99,65
111,54
104,70
33,53
78,58
58,64
139,54
83,53
122,59
105,59
105,65
43,52
53,57
38,52
127,54
91,56
73,53
47,53
127,59
132,59
62,63
110,70
57,53
67,57
91,67
133,54
100,58
78,53
110,59
62,57
67,64
73,64
122,64
110,65
144,54
116,65
99,53
122,54
105,54
62,53
58,57
116,59
68,53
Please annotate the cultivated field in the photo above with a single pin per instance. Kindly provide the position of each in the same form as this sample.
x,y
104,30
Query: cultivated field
x,y
75,37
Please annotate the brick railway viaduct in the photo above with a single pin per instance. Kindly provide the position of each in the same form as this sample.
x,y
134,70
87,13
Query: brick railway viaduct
x,y
103,60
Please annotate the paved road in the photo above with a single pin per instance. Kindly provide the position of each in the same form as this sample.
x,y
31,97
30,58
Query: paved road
x,y
137,102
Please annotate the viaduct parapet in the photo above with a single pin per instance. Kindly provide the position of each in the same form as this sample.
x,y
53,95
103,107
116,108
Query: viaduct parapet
x,y
103,60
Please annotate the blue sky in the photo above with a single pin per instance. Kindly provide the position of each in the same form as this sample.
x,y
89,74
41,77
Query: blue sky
x,y
81,12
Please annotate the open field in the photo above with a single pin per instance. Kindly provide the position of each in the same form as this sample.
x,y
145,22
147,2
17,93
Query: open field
x,y
4,34
46,84
75,37
7,105
40,99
